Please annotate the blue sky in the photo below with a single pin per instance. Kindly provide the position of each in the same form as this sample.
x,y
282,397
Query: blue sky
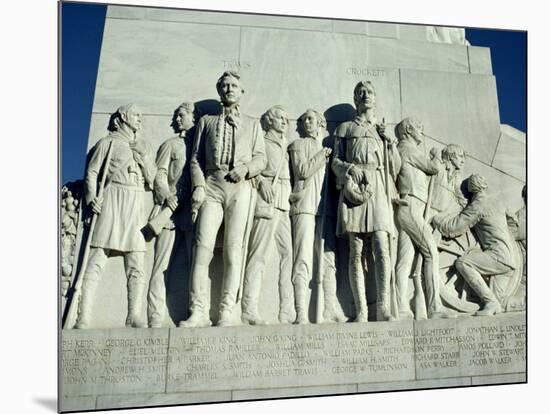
x,y
81,35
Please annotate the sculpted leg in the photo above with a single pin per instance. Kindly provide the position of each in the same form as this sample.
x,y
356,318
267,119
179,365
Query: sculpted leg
x,y
209,221
471,266
405,259
283,238
332,311
96,262
382,263
357,277
236,217
156,296
304,237
134,263
257,255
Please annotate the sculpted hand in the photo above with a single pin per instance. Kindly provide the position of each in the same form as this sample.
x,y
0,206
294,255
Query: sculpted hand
x,y
96,205
198,196
434,153
356,174
266,191
328,151
172,202
381,128
437,220
238,173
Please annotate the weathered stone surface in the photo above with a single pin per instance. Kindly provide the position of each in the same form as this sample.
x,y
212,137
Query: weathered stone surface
x,y
77,403
412,32
306,355
152,400
409,54
418,384
255,394
121,12
499,379
471,346
457,108
349,26
511,153
145,53
480,60
237,19
378,29
148,367
117,361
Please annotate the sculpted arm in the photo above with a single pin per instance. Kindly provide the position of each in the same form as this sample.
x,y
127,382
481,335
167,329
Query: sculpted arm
x,y
258,162
198,156
423,163
339,166
304,167
161,189
99,153
455,225
148,166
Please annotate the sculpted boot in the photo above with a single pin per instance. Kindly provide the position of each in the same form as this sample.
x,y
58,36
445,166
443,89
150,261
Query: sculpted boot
x,y
332,312
491,305
383,312
300,291
86,302
357,282
199,295
135,319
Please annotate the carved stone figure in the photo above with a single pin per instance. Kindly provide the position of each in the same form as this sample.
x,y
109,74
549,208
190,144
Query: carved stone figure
x,y
366,163
70,208
518,227
308,160
328,309
414,231
120,210
496,260
447,194
228,152
271,223
172,191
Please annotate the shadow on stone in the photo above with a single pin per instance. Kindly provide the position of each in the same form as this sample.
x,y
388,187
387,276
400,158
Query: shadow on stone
x,y
337,114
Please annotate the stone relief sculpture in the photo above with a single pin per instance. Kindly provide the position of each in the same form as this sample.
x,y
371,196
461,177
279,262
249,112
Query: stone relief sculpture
x,y
271,223
518,227
70,218
496,260
171,217
269,193
308,159
415,234
228,152
366,163
126,166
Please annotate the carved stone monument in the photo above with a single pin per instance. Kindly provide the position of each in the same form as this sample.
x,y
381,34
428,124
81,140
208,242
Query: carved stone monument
x,y
269,224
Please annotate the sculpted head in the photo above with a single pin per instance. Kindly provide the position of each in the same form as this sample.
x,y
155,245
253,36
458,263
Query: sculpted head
x,y
364,95
453,156
184,117
476,184
275,118
126,116
310,122
229,88
410,129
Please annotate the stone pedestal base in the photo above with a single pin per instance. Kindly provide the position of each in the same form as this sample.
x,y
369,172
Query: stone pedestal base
x,y
121,368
